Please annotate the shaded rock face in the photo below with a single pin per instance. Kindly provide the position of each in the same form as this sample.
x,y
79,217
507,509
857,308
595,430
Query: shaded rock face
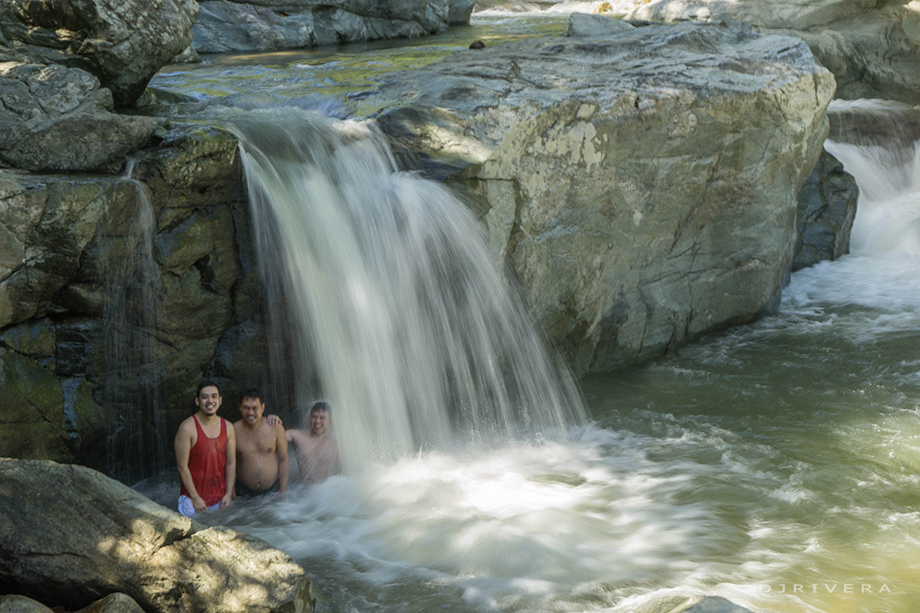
x,y
642,186
268,25
827,208
115,294
122,43
70,536
870,46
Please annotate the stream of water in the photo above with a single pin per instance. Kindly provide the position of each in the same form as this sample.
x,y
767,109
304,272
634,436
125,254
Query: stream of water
x,y
776,465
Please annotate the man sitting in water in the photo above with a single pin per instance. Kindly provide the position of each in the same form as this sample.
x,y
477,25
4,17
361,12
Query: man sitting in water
x,y
205,455
316,451
261,450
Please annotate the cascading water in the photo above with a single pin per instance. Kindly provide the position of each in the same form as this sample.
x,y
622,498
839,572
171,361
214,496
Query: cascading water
x,y
888,219
406,327
137,439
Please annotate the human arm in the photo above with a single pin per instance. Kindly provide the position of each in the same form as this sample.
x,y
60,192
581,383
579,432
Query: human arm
x,y
284,465
186,438
274,421
230,467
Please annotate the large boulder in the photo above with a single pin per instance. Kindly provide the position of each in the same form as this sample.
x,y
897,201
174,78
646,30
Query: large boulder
x,y
869,45
267,25
70,536
122,43
641,185
53,117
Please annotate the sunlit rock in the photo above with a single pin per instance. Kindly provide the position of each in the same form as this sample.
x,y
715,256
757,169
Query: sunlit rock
x,y
642,185
870,46
122,43
70,536
113,603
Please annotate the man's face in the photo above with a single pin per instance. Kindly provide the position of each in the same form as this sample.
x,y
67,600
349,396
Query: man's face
x,y
208,400
251,409
319,422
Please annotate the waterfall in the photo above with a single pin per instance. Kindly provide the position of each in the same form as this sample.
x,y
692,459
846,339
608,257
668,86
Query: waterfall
x,y
877,142
398,314
137,439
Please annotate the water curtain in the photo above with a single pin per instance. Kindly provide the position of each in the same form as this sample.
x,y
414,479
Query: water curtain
x,y
398,312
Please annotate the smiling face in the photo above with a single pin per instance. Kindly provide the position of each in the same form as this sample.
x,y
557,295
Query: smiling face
x,y
208,400
319,422
251,409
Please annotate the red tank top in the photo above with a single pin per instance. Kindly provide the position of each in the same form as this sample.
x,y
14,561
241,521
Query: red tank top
x,y
206,462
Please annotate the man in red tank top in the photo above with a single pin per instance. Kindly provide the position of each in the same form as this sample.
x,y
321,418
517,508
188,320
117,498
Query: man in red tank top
x,y
205,455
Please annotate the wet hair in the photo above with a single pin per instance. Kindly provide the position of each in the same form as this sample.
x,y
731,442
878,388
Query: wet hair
x,y
206,383
321,406
251,393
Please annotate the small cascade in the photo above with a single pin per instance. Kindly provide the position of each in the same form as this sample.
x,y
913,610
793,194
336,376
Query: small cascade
x,y
877,142
400,318
137,441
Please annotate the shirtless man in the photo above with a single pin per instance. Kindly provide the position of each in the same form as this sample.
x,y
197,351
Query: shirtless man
x,y
205,455
317,452
261,450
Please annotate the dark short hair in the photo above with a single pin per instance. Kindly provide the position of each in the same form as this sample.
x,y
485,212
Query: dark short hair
x,y
321,406
206,383
251,393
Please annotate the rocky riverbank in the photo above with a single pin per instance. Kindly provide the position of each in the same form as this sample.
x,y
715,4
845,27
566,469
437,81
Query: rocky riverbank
x,y
640,182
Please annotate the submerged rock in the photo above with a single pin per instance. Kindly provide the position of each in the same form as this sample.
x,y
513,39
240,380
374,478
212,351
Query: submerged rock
x,y
641,184
70,536
870,46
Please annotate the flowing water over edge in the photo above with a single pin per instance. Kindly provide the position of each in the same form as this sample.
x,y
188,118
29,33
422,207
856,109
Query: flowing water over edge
x,y
401,319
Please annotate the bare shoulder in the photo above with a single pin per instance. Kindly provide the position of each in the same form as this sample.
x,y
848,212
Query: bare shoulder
x,y
186,434
187,425
298,437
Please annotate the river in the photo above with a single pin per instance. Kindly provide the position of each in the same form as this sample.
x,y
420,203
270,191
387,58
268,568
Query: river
x,y
775,465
